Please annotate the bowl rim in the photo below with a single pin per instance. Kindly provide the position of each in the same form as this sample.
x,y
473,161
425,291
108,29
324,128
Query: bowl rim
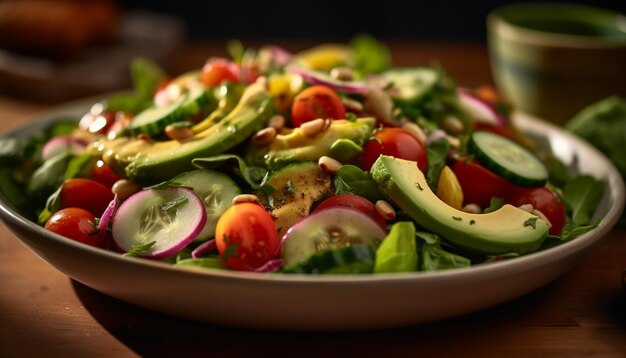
x,y
498,25
494,269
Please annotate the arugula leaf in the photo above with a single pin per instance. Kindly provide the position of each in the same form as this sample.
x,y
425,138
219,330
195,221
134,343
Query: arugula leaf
x,y
202,263
174,203
267,190
398,251
571,231
350,179
559,173
252,175
582,195
371,56
137,250
437,153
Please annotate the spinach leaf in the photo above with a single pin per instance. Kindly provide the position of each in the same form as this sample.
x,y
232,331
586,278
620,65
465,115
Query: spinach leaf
x,y
435,258
11,149
251,174
398,251
603,124
13,191
49,175
437,153
201,263
350,179
146,75
582,195
371,56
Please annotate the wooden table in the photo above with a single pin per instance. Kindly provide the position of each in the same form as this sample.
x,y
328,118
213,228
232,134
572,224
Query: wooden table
x,y
42,312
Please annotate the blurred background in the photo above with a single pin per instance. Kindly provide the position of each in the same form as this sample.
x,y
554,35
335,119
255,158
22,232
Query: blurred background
x,y
55,50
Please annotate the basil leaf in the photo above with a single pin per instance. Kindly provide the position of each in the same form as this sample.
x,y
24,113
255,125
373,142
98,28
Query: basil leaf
x,y
350,179
398,251
582,195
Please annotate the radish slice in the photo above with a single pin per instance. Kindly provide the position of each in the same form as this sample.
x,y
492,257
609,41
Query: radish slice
x,y
271,266
330,228
203,248
172,218
61,144
435,136
320,78
480,110
108,214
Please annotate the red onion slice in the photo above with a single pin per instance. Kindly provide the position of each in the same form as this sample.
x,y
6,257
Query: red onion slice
x,y
480,110
108,214
60,144
270,266
203,248
319,78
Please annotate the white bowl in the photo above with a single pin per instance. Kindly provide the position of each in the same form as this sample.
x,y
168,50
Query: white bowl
x,y
294,302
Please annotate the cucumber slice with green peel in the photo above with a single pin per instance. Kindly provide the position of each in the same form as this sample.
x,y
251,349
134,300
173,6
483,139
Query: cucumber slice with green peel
x,y
330,228
216,191
354,259
507,159
412,83
153,120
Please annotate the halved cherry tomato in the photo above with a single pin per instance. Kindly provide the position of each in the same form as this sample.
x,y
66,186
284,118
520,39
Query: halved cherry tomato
x,y
103,174
479,184
85,194
544,200
97,123
76,224
395,142
355,202
246,237
316,102
216,71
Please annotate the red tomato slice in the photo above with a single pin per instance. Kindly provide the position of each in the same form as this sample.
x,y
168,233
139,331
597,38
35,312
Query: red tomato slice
x,y
316,102
85,194
246,237
216,71
76,224
479,184
103,174
355,202
395,142
544,200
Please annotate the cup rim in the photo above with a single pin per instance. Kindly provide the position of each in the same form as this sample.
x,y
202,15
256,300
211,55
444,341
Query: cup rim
x,y
498,24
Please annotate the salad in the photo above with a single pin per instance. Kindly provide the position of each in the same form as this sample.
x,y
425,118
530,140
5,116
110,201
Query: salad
x,y
327,161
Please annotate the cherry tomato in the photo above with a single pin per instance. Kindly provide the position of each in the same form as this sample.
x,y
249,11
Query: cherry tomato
x,y
246,237
355,202
395,142
544,200
215,71
103,174
85,194
76,224
316,102
479,184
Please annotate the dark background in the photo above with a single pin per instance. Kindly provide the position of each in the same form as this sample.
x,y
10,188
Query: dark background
x,y
334,19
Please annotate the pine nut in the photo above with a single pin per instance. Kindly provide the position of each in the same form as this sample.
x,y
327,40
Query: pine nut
x,y
415,131
380,104
342,73
277,122
329,165
352,104
245,198
527,208
178,133
471,208
452,125
124,188
385,210
312,128
264,136
541,216
454,142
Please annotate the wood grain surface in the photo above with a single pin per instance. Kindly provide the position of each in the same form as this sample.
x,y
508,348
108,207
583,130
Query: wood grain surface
x,y
44,313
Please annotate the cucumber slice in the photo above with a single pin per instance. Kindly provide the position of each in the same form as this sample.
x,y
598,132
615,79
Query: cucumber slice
x,y
412,83
216,190
153,120
507,159
330,228
354,259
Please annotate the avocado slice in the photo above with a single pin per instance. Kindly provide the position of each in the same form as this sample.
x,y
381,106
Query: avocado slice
x,y
508,229
148,162
294,146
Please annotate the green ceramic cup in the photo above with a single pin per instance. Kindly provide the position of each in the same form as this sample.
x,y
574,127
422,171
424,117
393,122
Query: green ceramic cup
x,y
552,60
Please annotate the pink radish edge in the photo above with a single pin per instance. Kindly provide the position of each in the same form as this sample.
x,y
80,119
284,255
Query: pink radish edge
x,y
481,110
62,143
